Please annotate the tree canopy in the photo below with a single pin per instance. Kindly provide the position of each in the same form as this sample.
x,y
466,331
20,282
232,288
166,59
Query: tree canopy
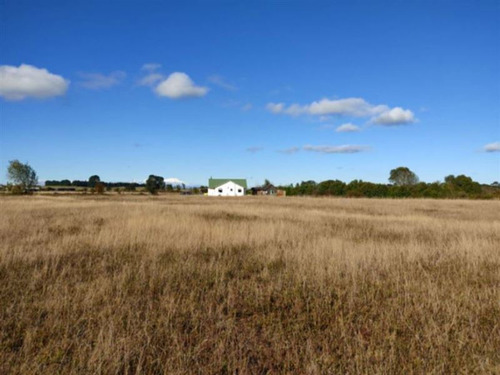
x,y
22,175
93,180
463,183
403,176
155,183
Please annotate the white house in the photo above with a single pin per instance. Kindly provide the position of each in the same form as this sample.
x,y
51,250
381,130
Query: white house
x,y
227,187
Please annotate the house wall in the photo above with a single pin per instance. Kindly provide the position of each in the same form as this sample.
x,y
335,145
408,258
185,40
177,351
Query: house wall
x,y
229,189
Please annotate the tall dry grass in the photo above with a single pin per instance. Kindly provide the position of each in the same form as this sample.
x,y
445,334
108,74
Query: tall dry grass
x,y
194,285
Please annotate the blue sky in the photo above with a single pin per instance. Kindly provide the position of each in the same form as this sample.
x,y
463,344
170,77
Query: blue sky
x,y
288,91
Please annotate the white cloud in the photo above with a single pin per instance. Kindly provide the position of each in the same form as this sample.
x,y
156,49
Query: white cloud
x,y
492,147
343,149
394,116
17,83
151,67
150,79
254,149
289,151
178,85
356,107
173,181
353,107
221,82
98,81
347,128
275,107
152,76
293,110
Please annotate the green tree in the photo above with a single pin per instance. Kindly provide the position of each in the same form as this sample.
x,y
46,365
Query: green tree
x,y
331,187
464,184
93,180
354,188
403,176
307,188
22,175
154,184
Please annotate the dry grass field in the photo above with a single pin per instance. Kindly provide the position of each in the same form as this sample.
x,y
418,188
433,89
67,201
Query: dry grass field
x,y
196,285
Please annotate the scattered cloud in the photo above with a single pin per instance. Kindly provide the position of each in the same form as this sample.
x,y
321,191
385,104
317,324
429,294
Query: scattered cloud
x,y
290,151
343,149
347,128
151,67
395,116
275,107
173,181
254,149
356,107
17,83
221,82
292,110
352,107
98,81
492,147
178,85
150,79
247,107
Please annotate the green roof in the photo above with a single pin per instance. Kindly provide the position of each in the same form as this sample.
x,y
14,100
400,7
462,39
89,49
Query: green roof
x,y
216,182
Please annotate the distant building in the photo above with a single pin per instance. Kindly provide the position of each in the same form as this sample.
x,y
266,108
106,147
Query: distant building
x,y
227,187
268,189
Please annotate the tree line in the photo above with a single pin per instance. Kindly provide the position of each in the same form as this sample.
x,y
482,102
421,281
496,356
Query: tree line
x,y
153,184
23,179
93,181
403,183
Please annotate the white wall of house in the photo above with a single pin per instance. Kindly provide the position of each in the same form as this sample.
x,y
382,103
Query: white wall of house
x,y
229,189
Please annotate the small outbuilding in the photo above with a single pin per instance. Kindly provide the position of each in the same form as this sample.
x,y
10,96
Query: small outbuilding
x,y
266,189
227,187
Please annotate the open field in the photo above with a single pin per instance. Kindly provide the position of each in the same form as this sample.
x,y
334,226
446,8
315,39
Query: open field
x,y
253,285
